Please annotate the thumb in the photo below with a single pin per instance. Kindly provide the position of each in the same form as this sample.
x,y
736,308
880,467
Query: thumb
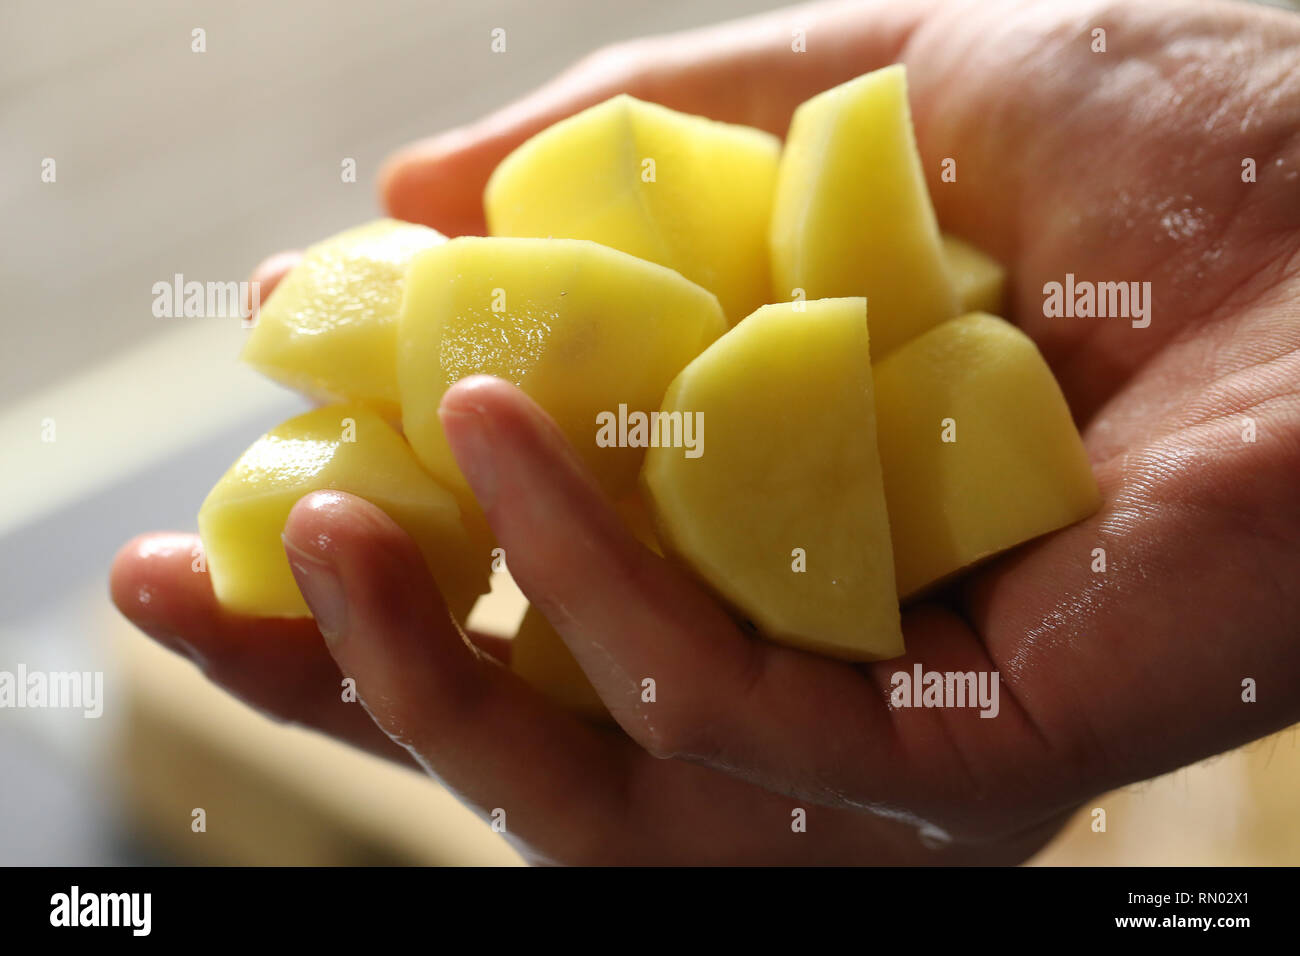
x,y
472,724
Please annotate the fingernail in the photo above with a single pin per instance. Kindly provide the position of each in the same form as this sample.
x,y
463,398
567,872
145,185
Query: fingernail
x,y
322,590
467,433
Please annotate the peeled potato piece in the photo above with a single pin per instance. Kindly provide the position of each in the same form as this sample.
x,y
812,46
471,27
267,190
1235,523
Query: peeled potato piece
x,y
978,448
581,328
978,278
852,216
344,448
783,514
329,329
683,191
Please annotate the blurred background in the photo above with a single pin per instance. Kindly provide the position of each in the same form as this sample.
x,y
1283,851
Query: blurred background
x,y
114,421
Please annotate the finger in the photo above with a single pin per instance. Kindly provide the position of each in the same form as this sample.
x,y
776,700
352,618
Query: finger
x,y
570,792
486,735
502,441
742,72
794,722
276,665
493,645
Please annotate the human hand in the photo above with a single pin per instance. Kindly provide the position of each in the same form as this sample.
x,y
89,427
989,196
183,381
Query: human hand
x,y
1115,166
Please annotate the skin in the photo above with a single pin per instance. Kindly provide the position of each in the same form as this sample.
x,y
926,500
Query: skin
x,y
1117,166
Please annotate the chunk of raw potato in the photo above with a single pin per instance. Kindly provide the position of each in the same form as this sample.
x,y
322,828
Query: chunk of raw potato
x,y
978,278
581,328
783,513
343,448
683,191
539,655
852,216
978,448
329,329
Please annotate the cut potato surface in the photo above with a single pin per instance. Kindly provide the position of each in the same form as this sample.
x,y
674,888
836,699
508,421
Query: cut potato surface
x,y
539,655
581,328
783,514
978,448
683,191
344,448
852,216
329,329
977,278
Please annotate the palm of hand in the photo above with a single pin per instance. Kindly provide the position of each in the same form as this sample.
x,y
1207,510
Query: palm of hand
x,y
1115,166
